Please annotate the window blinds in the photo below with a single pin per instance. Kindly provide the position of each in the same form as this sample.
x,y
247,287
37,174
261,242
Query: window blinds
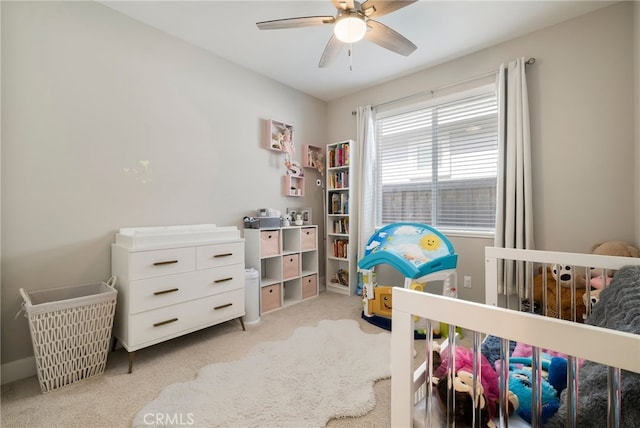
x,y
438,164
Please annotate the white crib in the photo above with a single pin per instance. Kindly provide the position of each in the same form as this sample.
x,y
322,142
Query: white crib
x,y
408,387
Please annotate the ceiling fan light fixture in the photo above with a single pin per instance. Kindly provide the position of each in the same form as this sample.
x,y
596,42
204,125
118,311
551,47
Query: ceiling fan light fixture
x,y
350,28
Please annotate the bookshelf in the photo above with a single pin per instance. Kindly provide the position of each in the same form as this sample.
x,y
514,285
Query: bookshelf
x,y
341,264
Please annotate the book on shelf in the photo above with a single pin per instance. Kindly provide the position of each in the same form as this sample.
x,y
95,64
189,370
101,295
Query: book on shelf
x,y
335,204
341,226
341,248
339,156
339,180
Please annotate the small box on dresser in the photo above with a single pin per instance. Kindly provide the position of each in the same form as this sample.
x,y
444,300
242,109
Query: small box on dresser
x,y
166,290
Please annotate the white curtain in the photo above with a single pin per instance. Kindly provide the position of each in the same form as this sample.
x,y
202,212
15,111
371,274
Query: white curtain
x,y
514,219
366,170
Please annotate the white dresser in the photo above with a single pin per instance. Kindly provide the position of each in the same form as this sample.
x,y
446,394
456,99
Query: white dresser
x,y
175,280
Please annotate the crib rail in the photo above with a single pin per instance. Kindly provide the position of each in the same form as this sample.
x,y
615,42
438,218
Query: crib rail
x,y
490,320
526,262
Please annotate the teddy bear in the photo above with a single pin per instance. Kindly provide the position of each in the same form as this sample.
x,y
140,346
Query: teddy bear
x,y
598,279
610,248
565,277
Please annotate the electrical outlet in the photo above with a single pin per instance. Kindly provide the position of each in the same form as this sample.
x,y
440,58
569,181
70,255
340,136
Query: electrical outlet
x,y
467,282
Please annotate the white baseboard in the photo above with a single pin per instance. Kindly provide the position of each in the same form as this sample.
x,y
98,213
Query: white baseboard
x,y
18,369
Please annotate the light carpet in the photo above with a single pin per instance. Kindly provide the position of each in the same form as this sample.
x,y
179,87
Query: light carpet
x,y
317,374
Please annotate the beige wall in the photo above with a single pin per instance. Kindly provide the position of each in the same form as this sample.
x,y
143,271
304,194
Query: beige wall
x,y
89,93
582,129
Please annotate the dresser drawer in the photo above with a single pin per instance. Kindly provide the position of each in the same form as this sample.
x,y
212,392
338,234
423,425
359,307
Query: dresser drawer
x,y
290,266
269,243
222,279
308,239
228,253
149,264
152,293
309,286
148,327
270,298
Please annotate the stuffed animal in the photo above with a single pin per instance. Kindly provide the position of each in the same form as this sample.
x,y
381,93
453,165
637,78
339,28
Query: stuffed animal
x,y
599,279
554,369
565,274
520,381
564,289
487,392
610,248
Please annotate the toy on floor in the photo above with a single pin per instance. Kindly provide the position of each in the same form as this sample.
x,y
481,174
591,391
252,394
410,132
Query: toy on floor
x,y
418,251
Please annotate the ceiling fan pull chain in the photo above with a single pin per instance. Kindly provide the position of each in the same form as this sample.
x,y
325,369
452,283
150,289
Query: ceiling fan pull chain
x,y
350,57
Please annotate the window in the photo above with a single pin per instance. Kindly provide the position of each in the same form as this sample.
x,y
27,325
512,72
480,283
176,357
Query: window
x,y
438,162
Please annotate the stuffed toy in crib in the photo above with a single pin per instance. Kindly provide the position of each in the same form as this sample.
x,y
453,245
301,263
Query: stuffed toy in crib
x,y
487,393
562,275
610,248
599,279
520,381
618,309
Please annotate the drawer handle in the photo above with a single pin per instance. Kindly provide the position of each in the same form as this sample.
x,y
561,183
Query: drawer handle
x,y
223,255
168,262
222,306
223,280
158,324
308,233
157,293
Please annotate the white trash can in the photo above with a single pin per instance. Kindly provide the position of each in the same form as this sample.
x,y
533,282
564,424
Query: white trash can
x,y
251,296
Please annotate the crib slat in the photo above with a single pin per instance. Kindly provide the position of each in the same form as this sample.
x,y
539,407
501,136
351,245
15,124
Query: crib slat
x,y
572,391
504,383
477,374
614,396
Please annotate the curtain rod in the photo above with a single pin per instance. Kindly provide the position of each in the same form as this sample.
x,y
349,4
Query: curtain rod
x,y
440,88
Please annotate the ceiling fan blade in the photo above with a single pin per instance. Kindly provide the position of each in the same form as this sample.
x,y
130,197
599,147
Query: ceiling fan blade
x,y
343,4
331,51
384,36
377,8
303,21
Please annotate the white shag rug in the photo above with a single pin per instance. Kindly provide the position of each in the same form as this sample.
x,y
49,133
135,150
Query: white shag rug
x,y
317,374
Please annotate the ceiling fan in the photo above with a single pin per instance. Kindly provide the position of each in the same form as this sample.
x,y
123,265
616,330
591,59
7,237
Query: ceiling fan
x,y
353,21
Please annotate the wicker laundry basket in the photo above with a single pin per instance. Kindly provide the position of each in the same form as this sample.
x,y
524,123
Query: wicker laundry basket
x,y
71,331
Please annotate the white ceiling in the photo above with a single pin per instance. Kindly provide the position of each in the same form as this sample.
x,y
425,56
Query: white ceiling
x,y
442,30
